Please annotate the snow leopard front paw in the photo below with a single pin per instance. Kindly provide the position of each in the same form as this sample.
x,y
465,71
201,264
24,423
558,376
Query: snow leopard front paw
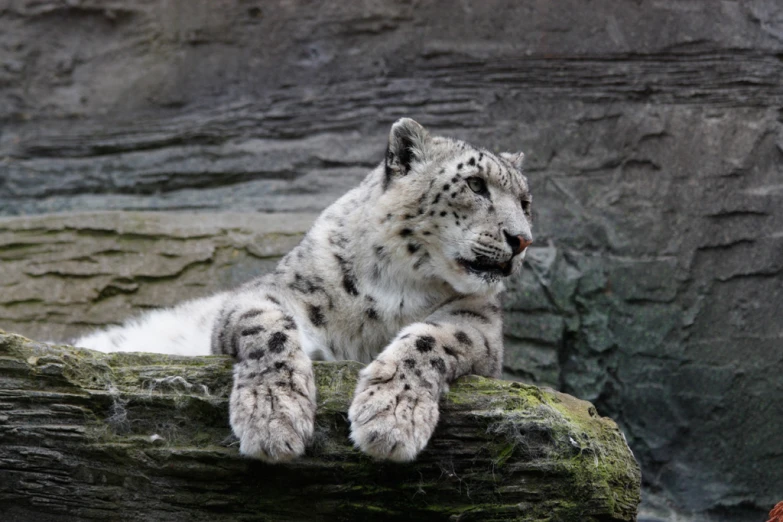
x,y
394,411
272,409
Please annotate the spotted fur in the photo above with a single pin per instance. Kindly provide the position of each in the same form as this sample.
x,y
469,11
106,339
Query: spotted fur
x,y
402,272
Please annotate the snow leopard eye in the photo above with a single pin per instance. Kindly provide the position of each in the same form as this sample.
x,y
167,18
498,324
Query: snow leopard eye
x,y
477,185
526,203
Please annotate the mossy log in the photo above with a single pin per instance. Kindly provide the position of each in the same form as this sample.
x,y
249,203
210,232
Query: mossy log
x,y
92,436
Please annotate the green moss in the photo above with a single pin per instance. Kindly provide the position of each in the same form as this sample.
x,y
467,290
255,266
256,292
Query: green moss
x,y
504,454
473,390
587,451
336,383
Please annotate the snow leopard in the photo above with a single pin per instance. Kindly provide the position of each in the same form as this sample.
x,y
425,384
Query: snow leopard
x,y
403,273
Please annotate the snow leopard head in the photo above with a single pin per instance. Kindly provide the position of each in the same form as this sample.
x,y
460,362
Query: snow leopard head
x,y
464,212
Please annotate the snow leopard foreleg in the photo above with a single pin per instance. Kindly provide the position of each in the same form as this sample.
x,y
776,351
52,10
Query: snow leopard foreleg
x,y
272,404
395,407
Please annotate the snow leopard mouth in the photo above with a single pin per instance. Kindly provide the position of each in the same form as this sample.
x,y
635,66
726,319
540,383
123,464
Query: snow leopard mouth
x,y
485,267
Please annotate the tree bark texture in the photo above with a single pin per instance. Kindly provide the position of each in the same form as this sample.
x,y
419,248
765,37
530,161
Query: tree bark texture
x,y
92,436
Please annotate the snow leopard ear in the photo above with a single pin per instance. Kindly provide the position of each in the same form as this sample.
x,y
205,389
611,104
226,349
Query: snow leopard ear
x,y
407,143
515,159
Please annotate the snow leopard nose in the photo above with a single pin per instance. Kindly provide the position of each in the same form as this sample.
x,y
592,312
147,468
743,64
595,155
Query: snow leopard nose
x,y
518,244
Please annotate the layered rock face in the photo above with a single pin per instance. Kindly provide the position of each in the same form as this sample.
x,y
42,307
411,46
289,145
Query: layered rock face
x,y
655,143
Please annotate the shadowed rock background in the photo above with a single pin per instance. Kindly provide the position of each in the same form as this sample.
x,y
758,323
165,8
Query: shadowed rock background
x,y
654,137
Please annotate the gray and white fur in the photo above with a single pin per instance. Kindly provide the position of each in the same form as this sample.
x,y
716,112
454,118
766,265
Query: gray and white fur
x,y
402,272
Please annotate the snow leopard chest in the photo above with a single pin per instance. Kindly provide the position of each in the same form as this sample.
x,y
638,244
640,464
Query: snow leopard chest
x,y
358,327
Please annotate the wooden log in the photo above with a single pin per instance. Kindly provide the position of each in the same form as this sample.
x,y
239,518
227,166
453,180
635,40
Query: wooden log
x,y
132,436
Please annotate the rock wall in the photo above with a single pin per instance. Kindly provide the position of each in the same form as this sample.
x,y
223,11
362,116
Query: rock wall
x,y
654,133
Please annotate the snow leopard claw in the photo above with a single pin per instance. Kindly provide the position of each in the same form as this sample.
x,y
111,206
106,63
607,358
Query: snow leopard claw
x,y
390,417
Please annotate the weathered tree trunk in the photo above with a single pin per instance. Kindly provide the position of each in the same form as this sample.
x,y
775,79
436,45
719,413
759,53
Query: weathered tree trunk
x,y
92,436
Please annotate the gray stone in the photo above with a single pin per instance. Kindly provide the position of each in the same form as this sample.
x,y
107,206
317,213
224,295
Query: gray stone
x,y
63,275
